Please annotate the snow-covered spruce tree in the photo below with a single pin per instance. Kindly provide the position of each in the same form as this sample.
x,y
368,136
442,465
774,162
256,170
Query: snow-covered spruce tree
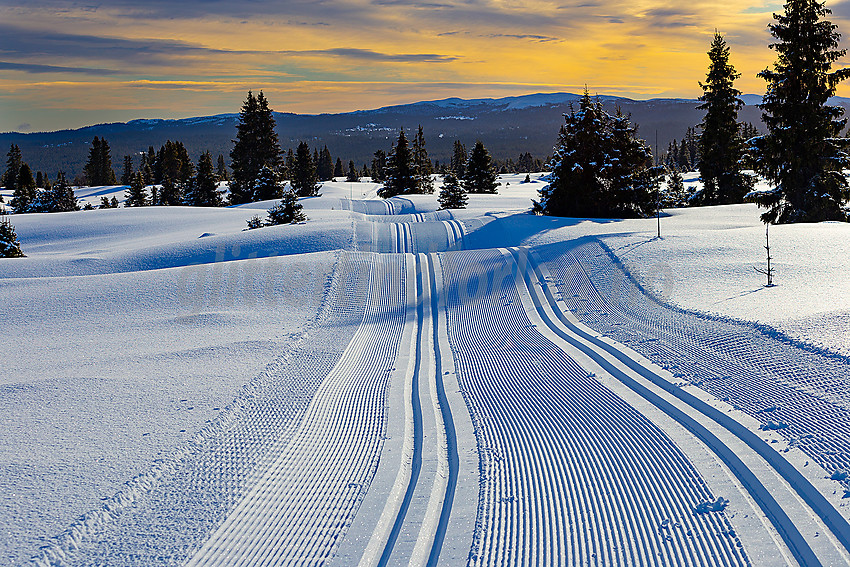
x,y
479,174
674,195
203,190
60,197
256,145
267,186
9,245
422,167
452,195
801,153
288,211
352,176
136,196
600,167
303,177
24,196
720,144
400,177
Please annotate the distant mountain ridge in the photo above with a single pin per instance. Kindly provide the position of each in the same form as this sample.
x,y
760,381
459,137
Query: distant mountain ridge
x,y
507,126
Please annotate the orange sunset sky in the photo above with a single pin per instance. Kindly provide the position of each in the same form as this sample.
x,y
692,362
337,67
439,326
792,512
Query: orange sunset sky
x,y
69,64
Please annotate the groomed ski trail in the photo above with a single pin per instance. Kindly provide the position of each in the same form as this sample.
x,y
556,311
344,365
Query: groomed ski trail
x,y
800,527
570,473
301,501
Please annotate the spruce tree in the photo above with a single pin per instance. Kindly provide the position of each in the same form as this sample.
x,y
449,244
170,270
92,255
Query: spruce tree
x,y
422,167
459,159
288,211
266,186
353,176
170,193
9,245
338,171
400,177
800,154
379,167
136,196
325,165
600,167
39,180
204,187
304,180
60,197
452,195
674,196
720,145
221,169
14,160
480,174
256,145
93,169
24,196
127,174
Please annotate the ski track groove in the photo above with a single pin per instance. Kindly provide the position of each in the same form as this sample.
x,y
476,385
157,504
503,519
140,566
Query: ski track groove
x,y
301,504
552,459
768,377
789,531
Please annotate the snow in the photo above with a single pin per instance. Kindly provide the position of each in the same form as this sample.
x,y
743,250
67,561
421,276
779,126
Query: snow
x,y
389,380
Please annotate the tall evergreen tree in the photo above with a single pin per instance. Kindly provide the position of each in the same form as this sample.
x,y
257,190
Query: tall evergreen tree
x,y
204,187
801,154
256,145
600,168
422,166
61,197
14,160
480,174
338,171
325,165
127,174
23,198
720,145
304,180
459,159
221,169
170,193
98,168
136,195
379,167
39,180
400,175
353,176
9,245
452,195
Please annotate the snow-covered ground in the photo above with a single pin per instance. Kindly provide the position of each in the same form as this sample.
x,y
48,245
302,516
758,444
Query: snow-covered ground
x,y
390,384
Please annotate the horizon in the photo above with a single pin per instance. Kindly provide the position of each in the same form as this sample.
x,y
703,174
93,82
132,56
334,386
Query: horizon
x,y
69,66
236,112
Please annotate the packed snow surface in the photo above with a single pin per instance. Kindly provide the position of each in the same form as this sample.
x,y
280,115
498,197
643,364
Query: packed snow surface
x,y
391,384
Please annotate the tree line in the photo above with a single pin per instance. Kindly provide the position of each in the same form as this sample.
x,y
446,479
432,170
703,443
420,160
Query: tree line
x,y
602,169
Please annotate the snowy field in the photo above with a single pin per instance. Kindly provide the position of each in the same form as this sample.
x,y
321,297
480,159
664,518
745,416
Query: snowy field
x,y
388,384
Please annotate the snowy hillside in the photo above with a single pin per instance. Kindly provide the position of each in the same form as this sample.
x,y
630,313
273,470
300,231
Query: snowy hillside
x,y
389,384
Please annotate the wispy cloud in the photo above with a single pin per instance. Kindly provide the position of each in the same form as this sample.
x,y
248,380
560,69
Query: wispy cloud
x,y
33,68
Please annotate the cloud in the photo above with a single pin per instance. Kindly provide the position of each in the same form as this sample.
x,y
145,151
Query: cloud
x,y
369,55
34,68
538,38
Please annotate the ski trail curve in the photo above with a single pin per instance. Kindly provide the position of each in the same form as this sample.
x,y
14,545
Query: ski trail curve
x,y
624,367
570,474
301,500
